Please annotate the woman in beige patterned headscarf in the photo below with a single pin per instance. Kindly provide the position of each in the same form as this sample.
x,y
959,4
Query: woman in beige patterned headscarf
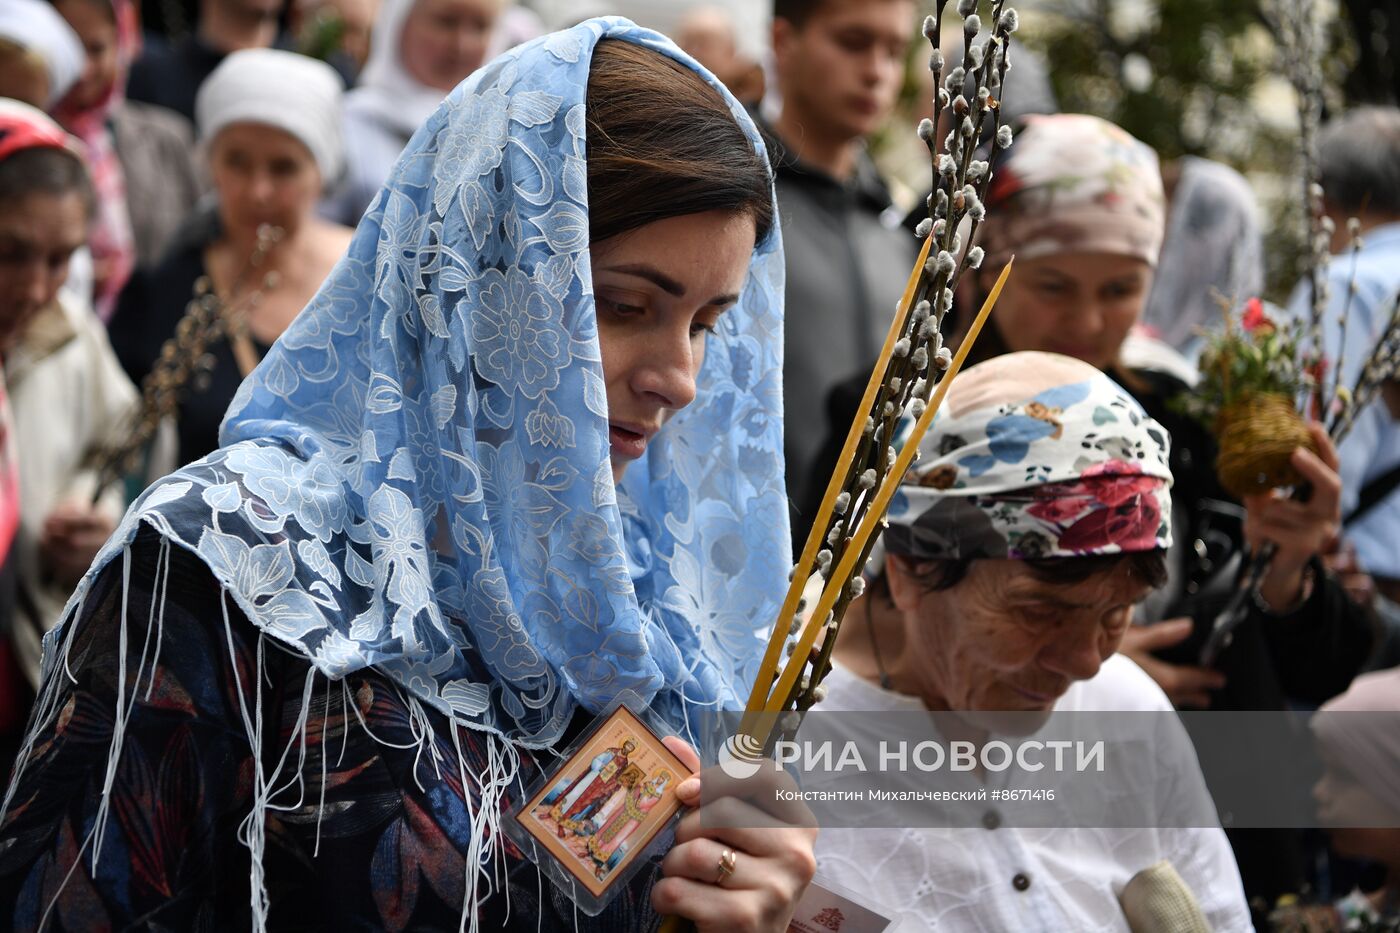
x,y
1080,203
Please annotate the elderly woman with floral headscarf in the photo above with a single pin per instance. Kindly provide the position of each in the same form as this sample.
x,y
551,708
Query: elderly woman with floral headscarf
x,y
1080,203
1018,548
521,453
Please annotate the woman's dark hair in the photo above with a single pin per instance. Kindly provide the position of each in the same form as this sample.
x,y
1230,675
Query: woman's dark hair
x,y
1149,567
662,143
45,171
796,12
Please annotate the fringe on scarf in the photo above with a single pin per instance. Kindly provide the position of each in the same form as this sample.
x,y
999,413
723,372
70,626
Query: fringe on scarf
x,y
485,855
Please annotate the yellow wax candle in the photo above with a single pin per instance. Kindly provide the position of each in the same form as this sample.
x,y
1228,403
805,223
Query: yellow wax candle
x,y
842,572
803,570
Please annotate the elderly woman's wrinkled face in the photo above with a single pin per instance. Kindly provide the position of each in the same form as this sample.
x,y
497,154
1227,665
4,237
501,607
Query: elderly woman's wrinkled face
x,y
443,41
263,175
1075,304
39,233
1004,639
660,291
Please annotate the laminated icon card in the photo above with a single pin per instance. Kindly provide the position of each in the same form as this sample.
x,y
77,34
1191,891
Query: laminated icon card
x,y
826,907
588,822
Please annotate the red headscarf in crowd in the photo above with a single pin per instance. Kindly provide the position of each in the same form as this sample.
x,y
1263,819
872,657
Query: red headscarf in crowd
x,y
21,127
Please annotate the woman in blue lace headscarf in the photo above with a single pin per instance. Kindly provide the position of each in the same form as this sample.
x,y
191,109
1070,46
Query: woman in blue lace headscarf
x,y
520,453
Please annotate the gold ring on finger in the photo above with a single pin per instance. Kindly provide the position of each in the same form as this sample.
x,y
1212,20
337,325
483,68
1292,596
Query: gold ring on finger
x,y
727,861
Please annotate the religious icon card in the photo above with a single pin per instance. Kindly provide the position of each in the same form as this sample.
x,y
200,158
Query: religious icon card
x,y
588,822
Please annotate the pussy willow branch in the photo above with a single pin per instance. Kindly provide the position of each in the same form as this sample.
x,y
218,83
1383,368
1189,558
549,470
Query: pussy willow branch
x,y
1333,398
1294,24
960,182
182,359
1381,367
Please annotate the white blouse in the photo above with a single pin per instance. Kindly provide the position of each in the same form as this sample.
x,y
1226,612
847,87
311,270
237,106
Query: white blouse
x,y
998,878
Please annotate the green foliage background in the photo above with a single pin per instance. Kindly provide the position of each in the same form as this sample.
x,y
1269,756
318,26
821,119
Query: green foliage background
x,y
1206,58
1193,77
1203,78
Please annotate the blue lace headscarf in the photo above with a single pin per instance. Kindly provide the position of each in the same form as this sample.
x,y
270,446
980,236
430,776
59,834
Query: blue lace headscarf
x,y
417,476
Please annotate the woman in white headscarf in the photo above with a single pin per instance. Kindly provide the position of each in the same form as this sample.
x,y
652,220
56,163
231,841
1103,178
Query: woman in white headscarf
x,y
269,124
33,34
421,49
1214,247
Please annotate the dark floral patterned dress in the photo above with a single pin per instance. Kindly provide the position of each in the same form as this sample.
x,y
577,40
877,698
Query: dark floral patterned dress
x,y
363,832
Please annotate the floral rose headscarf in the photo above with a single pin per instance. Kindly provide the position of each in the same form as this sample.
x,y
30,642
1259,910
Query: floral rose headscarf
x,y
1035,455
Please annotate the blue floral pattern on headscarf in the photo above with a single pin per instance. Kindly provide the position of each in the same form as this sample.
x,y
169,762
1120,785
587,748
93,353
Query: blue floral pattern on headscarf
x,y
1035,455
417,476
1010,436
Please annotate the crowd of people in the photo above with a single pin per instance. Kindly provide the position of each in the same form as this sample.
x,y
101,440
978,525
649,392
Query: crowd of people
x,y
484,364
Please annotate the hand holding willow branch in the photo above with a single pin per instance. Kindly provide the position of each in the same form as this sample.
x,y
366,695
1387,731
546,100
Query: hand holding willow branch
x,y
1296,30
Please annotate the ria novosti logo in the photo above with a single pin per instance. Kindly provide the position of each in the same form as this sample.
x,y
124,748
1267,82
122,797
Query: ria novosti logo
x,y
741,756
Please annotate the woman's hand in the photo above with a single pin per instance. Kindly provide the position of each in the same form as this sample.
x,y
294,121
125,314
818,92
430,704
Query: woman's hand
x,y
1186,686
73,534
772,845
1300,530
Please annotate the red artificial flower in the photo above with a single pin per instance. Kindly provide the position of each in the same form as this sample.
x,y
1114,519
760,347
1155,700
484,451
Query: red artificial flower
x,y
1255,319
1113,482
1131,526
1058,511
